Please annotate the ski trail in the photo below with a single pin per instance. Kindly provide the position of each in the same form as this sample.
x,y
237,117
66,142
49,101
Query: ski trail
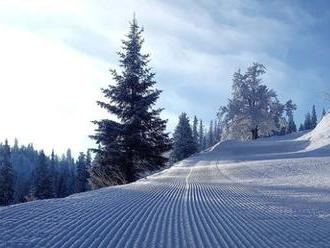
x,y
202,202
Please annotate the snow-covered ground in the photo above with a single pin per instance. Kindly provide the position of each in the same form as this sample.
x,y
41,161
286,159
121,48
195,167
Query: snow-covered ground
x,y
272,192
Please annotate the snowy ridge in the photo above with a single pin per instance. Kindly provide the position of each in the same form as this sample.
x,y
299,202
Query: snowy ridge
x,y
272,192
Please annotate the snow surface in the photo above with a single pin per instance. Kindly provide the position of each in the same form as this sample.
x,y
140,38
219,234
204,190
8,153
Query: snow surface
x,y
273,192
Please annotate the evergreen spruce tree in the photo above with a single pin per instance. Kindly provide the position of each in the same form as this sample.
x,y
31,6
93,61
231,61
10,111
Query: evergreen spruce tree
x,y
184,144
137,141
71,180
211,135
301,127
217,131
6,177
323,113
88,159
88,166
53,173
201,136
308,122
292,128
43,185
313,118
195,131
63,185
82,174
205,141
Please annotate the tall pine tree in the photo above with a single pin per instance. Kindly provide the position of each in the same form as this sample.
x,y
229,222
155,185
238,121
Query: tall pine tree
x,y
43,185
195,131
184,144
211,135
137,141
82,174
323,113
313,118
308,122
201,136
6,177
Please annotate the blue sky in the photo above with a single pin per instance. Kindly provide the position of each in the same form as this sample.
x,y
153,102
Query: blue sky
x,y
55,57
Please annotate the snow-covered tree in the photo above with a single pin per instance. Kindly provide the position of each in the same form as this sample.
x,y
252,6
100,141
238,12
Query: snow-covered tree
x,y
301,127
6,177
313,118
184,144
136,140
254,109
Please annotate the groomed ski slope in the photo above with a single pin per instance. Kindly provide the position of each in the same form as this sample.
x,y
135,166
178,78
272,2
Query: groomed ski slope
x,y
273,192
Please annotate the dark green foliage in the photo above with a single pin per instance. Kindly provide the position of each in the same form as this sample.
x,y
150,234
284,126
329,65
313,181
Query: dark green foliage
x,y
25,165
137,141
82,174
323,113
292,128
184,144
211,135
201,136
195,131
43,184
313,118
308,122
6,177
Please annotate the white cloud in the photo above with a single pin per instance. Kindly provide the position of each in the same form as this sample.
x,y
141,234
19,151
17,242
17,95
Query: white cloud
x,y
48,91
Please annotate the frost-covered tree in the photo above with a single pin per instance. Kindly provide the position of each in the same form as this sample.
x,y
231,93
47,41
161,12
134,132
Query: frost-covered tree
x,y
308,122
313,118
184,144
43,185
136,140
6,177
253,109
82,174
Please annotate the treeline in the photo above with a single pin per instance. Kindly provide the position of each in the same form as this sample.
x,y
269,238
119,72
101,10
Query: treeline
x,y
311,119
189,138
27,174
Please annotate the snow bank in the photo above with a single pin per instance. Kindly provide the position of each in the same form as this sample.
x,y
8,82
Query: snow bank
x,y
320,136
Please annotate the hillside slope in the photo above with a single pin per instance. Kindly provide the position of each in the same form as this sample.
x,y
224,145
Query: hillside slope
x,y
272,192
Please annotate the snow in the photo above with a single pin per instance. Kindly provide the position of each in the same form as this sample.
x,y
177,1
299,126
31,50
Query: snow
x,y
272,192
